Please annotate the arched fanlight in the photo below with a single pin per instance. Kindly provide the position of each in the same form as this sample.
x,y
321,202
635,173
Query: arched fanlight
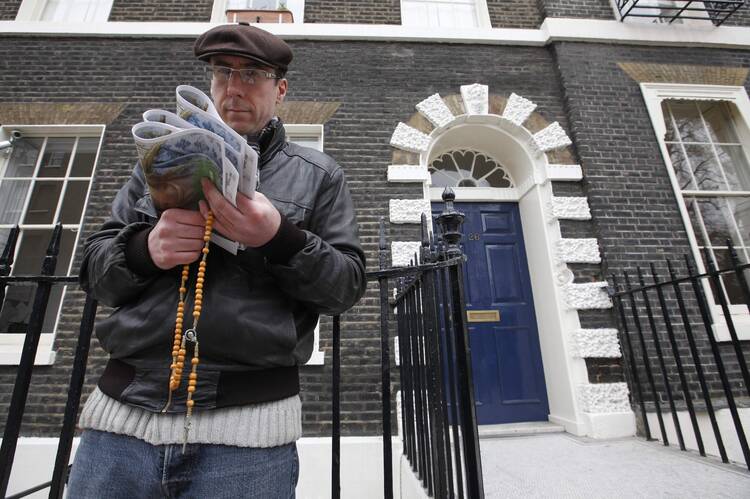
x,y
466,168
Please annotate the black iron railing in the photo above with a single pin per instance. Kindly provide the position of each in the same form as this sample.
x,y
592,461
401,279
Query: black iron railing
x,y
435,367
669,321
44,282
668,11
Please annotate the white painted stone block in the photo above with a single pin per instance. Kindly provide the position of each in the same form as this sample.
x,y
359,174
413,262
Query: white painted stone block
x,y
551,138
571,208
599,398
476,98
611,425
578,251
565,173
402,252
596,343
435,110
518,109
407,173
409,139
403,211
587,295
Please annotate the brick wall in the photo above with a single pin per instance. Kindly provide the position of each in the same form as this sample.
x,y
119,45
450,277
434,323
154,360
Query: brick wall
x,y
9,9
589,9
514,13
161,10
629,191
136,72
353,11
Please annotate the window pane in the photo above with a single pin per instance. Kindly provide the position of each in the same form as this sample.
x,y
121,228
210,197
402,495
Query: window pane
x,y
740,208
718,216
498,179
76,10
72,207
719,121
83,163
692,207
12,197
705,168
23,158
33,246
735,167
731,283
56,157
681,167
43,203
689,123
670,135
4,233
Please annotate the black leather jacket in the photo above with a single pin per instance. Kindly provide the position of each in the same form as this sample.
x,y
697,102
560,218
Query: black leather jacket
x,y
257,318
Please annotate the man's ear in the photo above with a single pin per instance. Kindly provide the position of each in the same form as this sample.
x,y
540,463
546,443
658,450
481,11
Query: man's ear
x,y
281,89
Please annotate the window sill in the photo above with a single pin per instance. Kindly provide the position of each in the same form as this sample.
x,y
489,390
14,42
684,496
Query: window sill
x,y
12,357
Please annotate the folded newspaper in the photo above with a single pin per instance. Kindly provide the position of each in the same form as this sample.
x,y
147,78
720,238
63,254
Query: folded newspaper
x,y
177,150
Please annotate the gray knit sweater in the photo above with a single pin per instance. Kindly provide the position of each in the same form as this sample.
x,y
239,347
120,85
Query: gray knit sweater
x,y
268,424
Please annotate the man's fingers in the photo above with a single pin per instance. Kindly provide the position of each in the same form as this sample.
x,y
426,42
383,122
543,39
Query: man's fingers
x,y
223,210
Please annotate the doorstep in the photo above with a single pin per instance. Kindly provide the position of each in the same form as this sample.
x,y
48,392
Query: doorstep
x,y
518,429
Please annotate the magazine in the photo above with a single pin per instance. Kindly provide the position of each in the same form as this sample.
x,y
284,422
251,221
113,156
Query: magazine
x,y
177,150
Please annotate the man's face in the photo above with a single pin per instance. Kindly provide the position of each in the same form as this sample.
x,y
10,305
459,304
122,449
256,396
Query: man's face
x,y
245,107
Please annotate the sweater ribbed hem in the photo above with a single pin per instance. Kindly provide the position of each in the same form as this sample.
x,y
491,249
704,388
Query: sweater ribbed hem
x,y
269,424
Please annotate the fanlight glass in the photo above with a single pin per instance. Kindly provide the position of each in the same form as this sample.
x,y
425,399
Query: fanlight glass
x,y
466,168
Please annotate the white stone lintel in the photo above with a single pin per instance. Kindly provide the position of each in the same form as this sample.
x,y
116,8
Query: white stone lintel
x,y
565,173
407,173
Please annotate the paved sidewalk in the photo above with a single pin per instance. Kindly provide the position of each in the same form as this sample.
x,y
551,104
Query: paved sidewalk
x,y
563,466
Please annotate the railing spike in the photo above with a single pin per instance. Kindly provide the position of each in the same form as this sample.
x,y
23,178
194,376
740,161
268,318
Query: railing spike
x,y
382,243
6,260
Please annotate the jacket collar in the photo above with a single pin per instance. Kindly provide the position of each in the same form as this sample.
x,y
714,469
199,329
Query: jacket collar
x,y
269,141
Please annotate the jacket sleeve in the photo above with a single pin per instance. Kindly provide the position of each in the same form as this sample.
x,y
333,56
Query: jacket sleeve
x,y
328,273
105,273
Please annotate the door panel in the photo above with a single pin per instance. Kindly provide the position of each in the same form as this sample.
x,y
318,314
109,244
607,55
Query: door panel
x,y
507,364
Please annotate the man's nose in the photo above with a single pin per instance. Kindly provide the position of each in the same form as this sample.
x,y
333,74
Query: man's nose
x,y
234,84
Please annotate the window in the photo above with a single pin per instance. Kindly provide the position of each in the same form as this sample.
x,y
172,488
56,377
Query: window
x,y
64,10
44,180
309,136
296,7
464,168
705,143
445,13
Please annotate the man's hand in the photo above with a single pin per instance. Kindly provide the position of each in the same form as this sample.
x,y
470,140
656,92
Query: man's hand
x,y
177,238
253,222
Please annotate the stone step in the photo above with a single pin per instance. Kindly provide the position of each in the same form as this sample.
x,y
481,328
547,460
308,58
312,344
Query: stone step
x,y
518,429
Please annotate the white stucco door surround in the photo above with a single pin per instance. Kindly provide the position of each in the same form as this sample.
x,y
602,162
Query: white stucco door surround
x,y
597,410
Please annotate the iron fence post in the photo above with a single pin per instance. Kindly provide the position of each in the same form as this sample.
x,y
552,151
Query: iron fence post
x,y
26,366
385,367
450,222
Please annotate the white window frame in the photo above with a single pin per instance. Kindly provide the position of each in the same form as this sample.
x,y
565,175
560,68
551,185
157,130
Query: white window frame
x,y
31,10
11,344
483,14
297,7
309,133
653,95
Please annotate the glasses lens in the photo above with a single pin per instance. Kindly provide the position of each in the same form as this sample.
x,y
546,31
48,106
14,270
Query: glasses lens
x,y
247,76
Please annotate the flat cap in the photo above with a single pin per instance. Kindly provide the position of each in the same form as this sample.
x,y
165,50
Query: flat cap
x,y
244,40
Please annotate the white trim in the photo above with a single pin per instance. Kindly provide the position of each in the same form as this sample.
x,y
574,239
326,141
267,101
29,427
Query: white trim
x,y
552,30
653,95
11,345
565,173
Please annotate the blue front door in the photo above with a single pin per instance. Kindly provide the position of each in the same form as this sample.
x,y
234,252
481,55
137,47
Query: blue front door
x,y
507,363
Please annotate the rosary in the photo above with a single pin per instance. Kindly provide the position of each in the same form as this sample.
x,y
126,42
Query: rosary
x,y
179,349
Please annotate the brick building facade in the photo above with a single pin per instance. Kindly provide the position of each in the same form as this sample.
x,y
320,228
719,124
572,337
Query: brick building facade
x,y
606,175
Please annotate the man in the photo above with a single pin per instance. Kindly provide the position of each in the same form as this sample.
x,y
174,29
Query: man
x,y
259,307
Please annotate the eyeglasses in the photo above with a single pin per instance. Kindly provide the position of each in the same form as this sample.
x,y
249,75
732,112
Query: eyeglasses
x,y
250,76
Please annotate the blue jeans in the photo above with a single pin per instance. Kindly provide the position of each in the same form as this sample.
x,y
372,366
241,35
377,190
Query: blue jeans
x,y
118,466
